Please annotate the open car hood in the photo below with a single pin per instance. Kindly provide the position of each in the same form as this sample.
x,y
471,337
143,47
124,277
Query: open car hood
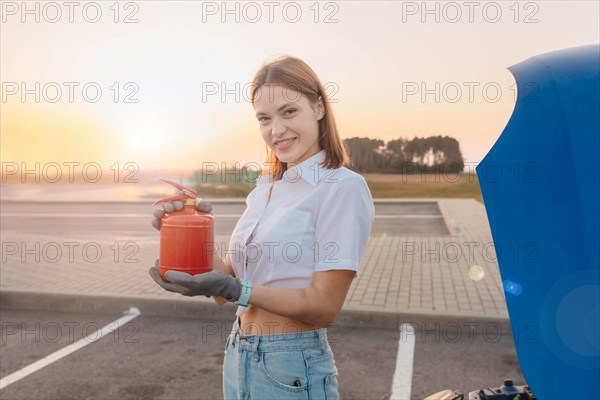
x,y
541,190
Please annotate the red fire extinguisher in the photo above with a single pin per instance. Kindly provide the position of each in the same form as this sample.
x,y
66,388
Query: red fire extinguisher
x,y
186,236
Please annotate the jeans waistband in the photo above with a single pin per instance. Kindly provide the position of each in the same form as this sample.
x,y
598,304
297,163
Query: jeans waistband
x,y
279,341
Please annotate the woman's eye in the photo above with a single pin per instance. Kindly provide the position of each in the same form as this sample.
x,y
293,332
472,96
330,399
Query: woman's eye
x,y
290,110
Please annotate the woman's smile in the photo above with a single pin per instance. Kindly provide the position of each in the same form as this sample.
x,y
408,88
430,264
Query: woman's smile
x,y
284,145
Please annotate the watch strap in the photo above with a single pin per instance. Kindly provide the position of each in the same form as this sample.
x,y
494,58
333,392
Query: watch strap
x,y
245,294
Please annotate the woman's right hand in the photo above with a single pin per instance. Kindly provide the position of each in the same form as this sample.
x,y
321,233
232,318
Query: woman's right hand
x,y
170,206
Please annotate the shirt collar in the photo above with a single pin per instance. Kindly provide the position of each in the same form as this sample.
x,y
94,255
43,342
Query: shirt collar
x,y
311,170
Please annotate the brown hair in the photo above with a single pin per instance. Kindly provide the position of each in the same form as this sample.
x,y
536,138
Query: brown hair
x,y
292,72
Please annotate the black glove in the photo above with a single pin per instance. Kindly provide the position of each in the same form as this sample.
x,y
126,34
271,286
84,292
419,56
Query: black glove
x,y
170,206
213,283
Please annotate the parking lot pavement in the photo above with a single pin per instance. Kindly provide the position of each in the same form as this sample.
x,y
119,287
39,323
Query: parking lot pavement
x,y
176,358
409,274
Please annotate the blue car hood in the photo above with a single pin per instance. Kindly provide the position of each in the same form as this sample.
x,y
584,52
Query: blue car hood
x,y
541,189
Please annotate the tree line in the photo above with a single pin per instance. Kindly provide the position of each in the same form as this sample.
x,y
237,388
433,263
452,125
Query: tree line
x,y
425,154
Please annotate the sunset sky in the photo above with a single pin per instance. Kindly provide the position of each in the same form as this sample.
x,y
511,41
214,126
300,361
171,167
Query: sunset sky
x,y
368,54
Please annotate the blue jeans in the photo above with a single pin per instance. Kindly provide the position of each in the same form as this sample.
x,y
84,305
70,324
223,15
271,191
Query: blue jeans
x,y
296,365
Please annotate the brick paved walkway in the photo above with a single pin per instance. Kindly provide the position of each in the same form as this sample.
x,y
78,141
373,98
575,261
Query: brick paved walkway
x,y
430,274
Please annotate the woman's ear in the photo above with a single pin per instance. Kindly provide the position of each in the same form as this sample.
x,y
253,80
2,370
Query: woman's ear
x,y
320,109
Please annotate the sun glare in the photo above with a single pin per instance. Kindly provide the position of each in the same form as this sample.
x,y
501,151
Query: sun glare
x,y
146,137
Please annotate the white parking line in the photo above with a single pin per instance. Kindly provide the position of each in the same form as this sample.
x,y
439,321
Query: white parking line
x,y
402,382
129,215
65,351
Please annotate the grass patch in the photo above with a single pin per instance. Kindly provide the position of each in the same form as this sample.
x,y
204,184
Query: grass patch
x,y
223,190
424,185
381,186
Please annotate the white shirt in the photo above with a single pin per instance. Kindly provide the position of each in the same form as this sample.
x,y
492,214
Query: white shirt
x,y
316,220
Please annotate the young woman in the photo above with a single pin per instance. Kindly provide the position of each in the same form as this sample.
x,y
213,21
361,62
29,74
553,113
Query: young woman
x,y
295,250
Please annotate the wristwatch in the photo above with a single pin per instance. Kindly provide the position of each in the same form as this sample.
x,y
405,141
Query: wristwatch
x,y
245,295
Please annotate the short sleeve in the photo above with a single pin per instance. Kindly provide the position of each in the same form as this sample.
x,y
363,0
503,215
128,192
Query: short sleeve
x,y
343,225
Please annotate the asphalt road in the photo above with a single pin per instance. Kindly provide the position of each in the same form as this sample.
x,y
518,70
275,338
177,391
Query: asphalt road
x,y
402,218
176,358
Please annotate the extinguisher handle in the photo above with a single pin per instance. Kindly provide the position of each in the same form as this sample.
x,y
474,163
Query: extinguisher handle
x,y
186,193
201,205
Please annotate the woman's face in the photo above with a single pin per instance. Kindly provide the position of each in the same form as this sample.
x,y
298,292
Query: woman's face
x,y
284,114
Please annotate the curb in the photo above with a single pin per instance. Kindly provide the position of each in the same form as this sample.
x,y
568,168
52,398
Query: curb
x,y
207,309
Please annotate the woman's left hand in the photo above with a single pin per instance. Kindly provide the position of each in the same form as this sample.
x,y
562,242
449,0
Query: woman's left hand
x,y
213,283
